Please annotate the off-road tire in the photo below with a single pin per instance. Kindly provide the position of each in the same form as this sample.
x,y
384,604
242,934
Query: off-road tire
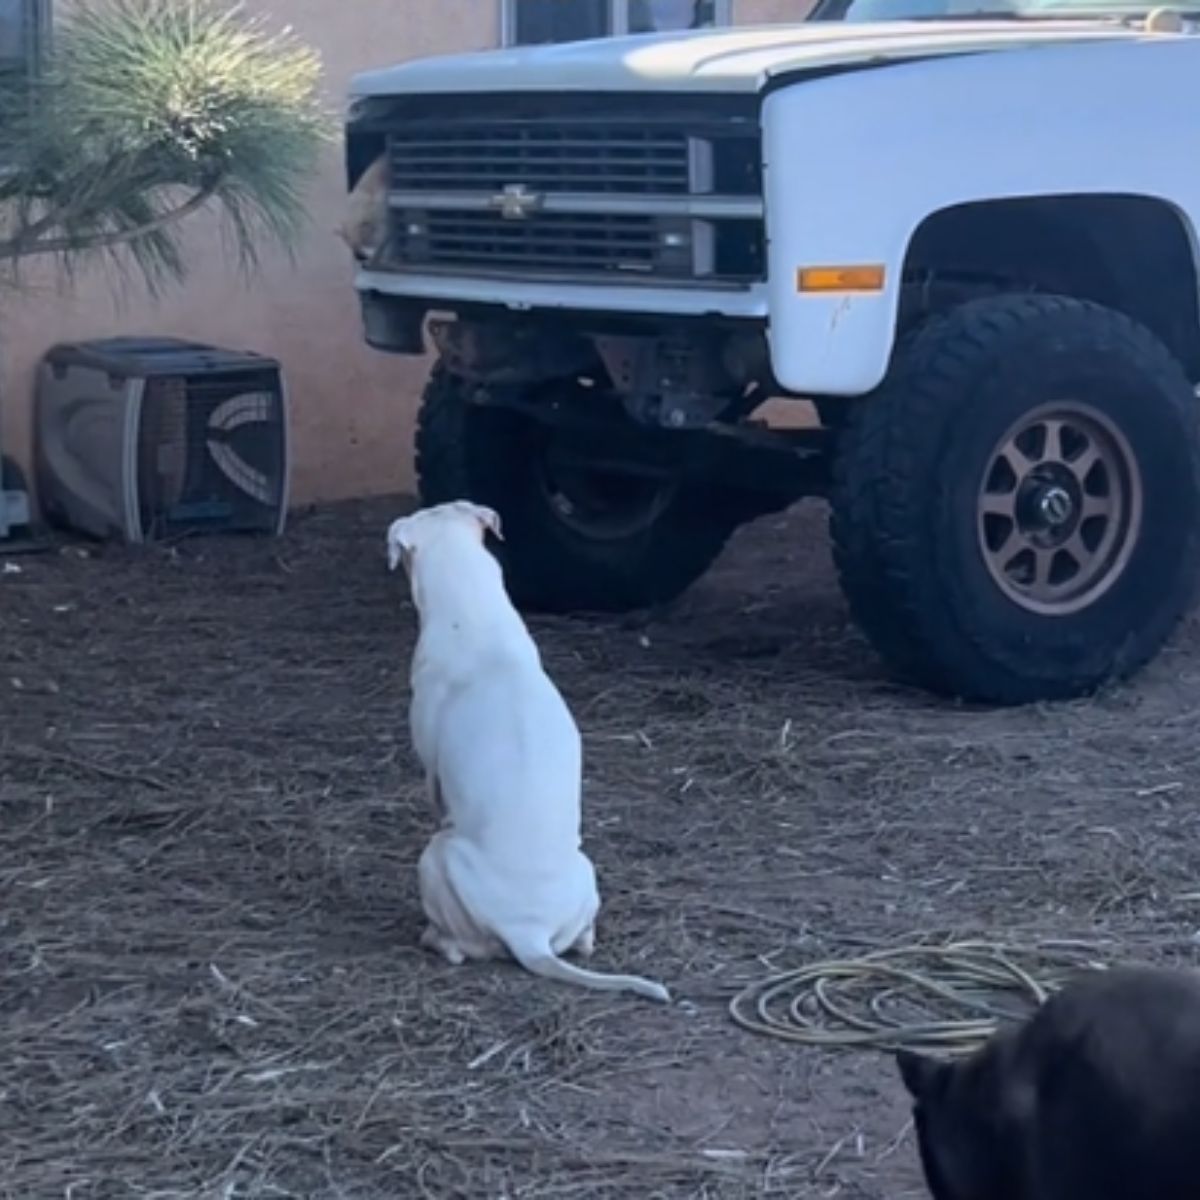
x,y
907,474
470,451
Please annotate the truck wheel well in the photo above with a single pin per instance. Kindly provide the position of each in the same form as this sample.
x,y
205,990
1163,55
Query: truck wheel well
x,y
1129,253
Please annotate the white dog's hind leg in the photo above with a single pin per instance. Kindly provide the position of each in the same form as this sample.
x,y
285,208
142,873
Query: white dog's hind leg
x,y
447,947
434,791
456,934
585,944
439,902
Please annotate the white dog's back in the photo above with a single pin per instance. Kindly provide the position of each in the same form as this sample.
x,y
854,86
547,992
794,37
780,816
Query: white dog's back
x,y
485,717
509,753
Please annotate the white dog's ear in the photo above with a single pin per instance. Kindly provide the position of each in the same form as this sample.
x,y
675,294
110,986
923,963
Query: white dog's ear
x,y
489,518
399,543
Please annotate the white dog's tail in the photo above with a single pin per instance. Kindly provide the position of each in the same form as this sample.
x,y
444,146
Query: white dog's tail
x,y
539,959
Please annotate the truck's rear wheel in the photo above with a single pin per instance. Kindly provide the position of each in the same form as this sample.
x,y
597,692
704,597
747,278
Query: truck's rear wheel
x,y
575,540
1016,511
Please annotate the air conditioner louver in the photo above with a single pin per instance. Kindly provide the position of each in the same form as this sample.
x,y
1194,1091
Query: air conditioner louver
x,y
146,439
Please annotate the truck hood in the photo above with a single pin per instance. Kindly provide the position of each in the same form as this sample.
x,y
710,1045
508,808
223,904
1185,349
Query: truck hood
x,y
724,60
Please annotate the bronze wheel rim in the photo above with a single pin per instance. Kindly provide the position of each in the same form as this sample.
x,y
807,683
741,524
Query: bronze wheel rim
x,y
1060,508
601,505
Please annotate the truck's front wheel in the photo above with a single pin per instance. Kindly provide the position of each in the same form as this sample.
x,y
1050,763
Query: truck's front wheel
x,y
1016,512
574,540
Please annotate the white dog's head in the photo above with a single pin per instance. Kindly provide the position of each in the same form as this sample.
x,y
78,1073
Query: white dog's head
x,y
406,535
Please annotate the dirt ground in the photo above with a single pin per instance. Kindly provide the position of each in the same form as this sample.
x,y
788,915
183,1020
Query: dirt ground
x,y
209,978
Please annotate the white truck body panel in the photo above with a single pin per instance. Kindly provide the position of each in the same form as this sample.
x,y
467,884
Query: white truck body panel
x,y
884,163
855,162
726,60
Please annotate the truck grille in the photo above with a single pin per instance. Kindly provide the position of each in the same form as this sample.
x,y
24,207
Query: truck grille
x,y
565,158
641,195
553,242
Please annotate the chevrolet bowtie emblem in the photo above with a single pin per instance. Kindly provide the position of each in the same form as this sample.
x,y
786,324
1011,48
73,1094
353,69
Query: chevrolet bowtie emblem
x,y
516,202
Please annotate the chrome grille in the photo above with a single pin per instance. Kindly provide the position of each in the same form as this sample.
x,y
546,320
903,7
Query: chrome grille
x,y
652,190
554,242
572,157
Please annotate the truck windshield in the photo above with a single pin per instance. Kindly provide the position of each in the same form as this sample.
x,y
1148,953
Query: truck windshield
x,y
925,10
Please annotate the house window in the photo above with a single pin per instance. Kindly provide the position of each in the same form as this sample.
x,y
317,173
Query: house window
x,y
531,22
652,16
24,25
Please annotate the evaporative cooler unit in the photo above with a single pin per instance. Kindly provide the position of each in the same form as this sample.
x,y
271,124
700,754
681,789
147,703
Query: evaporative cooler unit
x,y
151,438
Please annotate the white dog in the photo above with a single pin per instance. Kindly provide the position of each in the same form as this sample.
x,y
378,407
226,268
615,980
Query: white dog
x,y
503,763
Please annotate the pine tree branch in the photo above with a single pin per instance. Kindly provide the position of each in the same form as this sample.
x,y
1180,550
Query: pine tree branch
x,y
23,247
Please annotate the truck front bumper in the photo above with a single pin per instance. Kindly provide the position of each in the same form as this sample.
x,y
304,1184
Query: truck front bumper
x,y
451,291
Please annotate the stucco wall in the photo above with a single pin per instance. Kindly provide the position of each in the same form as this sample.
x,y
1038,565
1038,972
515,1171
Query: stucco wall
x,y
352,408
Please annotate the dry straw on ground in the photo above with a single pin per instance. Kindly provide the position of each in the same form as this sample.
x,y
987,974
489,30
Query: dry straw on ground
x,y
209,819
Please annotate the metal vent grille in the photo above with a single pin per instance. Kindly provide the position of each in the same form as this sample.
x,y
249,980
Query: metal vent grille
x,y
568,157
211,454
565,242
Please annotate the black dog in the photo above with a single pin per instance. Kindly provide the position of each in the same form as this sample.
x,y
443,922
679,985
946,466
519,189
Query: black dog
x,y
1095,1097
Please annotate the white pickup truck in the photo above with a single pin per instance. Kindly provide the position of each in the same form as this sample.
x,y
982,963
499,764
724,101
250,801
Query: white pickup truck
x,y
970,243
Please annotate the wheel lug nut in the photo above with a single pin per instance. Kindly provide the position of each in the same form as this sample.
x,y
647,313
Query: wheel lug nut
x,y
1055,505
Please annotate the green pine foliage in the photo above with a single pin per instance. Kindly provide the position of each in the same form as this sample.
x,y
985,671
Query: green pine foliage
x,y
145,112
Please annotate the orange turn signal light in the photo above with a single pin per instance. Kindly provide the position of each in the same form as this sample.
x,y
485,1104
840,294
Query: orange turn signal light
x,y
840,279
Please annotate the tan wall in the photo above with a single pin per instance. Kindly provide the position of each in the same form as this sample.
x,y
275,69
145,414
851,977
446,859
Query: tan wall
x,y
352,408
